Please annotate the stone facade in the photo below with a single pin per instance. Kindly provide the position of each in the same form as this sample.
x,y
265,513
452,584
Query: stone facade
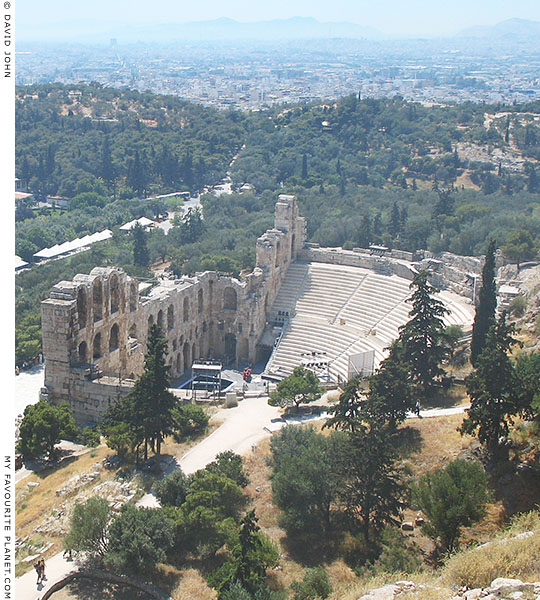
x,y
95,327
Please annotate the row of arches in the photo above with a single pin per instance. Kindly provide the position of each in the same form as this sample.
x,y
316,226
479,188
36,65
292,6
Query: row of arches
x,y
230,302
115,303
188,353
97,345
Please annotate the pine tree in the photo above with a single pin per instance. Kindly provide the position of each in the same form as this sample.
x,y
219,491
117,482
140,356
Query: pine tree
x,y
487,304
347,413
372,492
422,337
493,389
390,393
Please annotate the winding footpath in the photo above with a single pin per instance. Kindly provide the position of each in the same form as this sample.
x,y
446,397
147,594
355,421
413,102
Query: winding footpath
x,y
242,427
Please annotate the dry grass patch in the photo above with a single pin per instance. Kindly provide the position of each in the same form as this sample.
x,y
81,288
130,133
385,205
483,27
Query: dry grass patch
x,y
33,504
192,585
260,491
441,442
515,558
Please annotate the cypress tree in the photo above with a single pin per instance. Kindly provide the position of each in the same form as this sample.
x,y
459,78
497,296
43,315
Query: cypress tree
x,y
141,256
108,172
152,401
487,303
304,167
394,225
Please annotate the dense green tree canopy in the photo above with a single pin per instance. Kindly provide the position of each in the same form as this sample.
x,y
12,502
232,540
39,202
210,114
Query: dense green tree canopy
x,y
42,427
138,539
88,527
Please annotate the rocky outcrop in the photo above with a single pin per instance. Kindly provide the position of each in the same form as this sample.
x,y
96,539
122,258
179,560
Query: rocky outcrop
x,y
500,589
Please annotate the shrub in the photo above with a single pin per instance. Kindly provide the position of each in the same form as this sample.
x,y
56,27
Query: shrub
x,y
397,555
190,421
229,464
315,584
452,497
518,306
173,489
90,437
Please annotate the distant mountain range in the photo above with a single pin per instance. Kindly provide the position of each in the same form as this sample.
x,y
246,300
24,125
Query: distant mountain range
x,y
511,28
293,28
225,29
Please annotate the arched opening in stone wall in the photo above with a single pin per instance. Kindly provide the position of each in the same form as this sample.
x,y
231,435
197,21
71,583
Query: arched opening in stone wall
x,y
114,293
179,363
200,301
193,353
82,310
83,352
186,309
243,349
133,297
230,346
96,346
229,298
293,238
150,323
97,296
266,304
160,320
132,333
113,338
170,317
186,353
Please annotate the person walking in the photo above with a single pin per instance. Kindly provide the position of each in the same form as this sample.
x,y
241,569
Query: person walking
x,y
42,567
417,408
37,567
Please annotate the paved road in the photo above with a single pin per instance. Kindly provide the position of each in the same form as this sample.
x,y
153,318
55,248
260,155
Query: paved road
x,y
56,568
27,386
242,426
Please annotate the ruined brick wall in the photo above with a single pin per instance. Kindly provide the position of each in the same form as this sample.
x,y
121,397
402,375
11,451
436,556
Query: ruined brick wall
x,y
95,327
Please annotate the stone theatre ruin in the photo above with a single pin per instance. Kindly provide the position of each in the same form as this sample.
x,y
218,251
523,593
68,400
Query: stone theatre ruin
x,y
299,300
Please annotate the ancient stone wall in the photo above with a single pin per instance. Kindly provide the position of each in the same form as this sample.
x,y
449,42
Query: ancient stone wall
x,y
95,327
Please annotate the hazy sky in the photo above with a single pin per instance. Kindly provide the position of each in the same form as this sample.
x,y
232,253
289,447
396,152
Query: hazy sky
x,y
401,17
